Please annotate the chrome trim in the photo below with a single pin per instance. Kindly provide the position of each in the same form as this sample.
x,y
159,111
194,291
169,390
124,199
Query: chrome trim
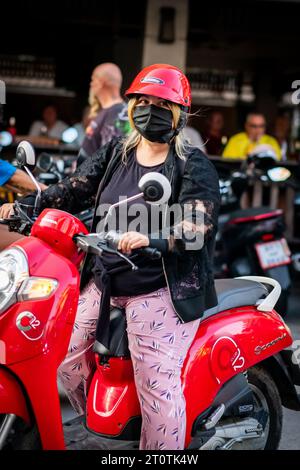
x,y
6,428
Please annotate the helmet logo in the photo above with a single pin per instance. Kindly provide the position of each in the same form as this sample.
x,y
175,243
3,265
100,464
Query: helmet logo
x,y
157,81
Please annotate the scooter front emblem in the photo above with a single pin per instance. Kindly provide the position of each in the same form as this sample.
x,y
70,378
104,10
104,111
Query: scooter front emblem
x,y
29,326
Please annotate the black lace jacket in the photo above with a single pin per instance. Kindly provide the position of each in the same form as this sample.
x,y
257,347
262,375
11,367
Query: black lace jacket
x,y
195,186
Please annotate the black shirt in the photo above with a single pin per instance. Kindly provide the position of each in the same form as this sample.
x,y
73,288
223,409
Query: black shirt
x,y
124,183
189,273
109,122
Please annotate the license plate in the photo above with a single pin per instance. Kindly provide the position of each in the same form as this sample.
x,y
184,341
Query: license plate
x,y
272,254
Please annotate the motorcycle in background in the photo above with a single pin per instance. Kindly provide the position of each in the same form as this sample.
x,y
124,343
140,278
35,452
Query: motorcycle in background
x,y
52,170
252,241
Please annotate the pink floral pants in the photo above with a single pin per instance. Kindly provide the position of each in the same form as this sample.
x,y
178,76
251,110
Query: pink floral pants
x,y
158,344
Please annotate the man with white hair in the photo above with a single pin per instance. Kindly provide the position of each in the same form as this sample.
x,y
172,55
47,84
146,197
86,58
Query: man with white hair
x,y
111,119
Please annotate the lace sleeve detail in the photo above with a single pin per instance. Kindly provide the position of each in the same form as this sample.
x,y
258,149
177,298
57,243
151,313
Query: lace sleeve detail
x,y
195,227
198,206
78,192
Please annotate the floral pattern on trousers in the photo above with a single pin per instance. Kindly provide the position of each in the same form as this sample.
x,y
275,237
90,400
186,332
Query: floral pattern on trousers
x,y
158,344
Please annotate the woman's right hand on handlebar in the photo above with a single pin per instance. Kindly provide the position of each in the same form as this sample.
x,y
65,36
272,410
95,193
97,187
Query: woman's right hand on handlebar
x,y
6,211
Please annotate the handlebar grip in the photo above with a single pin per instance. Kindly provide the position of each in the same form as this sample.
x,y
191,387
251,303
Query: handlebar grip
x,y
152,253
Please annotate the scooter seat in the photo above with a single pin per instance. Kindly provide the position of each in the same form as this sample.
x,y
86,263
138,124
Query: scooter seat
x,y
118,340
233,293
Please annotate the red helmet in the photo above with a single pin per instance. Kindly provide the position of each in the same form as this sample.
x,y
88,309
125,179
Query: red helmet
x,y
164,81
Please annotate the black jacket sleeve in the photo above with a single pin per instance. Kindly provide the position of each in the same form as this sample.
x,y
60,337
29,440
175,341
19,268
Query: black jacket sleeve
x,y
197,209
78,191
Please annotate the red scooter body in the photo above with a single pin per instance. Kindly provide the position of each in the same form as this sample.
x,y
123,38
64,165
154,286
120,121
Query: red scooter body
x,y
32,357
225,345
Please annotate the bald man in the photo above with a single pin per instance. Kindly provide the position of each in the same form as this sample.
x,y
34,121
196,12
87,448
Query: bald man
x,y
112,118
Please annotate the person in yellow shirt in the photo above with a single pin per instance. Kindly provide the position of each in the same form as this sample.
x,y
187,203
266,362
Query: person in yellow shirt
x,y
242,144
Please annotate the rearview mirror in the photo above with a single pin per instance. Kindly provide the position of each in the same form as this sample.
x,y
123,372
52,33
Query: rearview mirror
x,y
155,187
44,162
25,155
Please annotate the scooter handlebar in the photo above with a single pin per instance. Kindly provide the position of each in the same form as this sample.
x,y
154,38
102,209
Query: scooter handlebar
x,y
98,243
113,238
152,253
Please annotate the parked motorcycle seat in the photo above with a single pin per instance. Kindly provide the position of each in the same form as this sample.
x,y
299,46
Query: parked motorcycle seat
x,y
233,293
253,213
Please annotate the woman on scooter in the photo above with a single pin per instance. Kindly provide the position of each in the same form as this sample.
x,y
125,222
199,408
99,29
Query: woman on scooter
x,y
165,299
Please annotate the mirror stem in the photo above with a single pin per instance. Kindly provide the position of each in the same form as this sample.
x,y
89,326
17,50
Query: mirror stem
x,y
39,192
117,204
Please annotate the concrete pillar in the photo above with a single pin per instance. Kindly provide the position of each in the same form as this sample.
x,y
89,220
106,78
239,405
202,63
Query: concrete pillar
x,y
266,102
170,53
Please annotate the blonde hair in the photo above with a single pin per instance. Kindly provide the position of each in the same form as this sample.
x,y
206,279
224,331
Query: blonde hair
x,y
94,105
134,137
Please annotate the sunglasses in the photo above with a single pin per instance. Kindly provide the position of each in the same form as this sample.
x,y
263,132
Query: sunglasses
x,y
257,126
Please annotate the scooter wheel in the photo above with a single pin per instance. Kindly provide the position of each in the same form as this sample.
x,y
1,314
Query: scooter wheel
x,y
267,397
22,437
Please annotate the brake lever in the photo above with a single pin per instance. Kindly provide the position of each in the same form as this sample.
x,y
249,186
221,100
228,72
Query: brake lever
x,y
121,255
96,245
89,244
16,224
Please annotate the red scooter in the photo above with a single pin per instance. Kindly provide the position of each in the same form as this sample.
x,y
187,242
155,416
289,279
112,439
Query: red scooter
x,y
236,377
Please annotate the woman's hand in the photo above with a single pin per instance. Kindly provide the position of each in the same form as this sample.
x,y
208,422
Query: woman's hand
x,y
6,210
132,240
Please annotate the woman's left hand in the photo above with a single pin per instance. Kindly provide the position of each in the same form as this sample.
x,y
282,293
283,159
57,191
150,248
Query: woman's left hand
x,y
132,240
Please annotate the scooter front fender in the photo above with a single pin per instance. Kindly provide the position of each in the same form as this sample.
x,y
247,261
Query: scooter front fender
x,y
39,379
12,396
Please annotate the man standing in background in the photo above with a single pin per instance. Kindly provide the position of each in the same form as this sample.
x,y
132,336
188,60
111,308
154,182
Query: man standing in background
x,y
111,120
50,126
214,136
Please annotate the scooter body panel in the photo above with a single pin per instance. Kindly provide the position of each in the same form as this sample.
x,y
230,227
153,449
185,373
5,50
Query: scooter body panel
x,y
35,353
226,344
12,399
53,317
39,379
112,398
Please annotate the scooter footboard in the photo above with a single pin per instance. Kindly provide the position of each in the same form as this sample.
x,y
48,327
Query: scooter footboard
x,y
112,398
12,398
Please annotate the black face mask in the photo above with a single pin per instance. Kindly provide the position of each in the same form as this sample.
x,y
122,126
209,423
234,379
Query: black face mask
x,y
154,123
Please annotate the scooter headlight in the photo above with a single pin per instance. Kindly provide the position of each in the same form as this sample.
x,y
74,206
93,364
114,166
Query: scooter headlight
x,y
13,271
